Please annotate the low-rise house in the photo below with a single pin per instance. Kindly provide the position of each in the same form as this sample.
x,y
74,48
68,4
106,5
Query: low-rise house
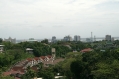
x,y
43,58
21,67
86,50
29,50
58,77
1,48
16,73
33,61
48,57
37,59
68,46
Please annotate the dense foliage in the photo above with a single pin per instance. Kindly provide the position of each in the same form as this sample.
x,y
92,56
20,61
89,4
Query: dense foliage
x,y
92,65
16,52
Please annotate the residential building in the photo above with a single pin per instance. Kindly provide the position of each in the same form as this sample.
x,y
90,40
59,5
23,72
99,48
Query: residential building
x,y
86,50
108,37
29,50
21,66
1,48
10,40
31,40
76,38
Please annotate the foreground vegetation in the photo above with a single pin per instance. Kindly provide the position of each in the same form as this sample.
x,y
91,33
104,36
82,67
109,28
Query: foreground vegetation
x,y
91,65
77,65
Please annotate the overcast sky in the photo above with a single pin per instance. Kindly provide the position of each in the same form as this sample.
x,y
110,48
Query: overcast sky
x,y
39,19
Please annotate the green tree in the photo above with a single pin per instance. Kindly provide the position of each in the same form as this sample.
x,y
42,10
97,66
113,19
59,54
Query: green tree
x,y
1,40
46,73
45,41
29,74
78,68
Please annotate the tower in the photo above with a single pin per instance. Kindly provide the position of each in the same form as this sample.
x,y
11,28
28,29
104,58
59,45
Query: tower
x,y
53,52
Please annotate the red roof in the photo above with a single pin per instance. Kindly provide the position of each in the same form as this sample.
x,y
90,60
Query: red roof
x,y
29,59
43,57
6,73
12,72
49,56
34,68
36,58
20,69
86,50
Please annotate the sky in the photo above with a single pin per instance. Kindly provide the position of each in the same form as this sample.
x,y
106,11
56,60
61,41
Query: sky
x,y
39,19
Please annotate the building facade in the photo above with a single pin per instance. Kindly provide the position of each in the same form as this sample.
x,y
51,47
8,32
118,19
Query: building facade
x,y
1,48
76,38
54,40
108,37
10,40
67,38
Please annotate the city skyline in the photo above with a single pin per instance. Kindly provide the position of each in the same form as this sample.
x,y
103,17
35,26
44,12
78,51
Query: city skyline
x,y
24,19
73,37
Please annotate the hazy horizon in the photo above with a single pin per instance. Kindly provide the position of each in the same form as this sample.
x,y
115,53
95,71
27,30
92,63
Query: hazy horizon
x,y
39,19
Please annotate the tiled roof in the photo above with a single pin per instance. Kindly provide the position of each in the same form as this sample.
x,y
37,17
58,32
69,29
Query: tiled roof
x,y
34,68
12,72
49,56
6,73
43,57
20,69
86,50
36,58
29,59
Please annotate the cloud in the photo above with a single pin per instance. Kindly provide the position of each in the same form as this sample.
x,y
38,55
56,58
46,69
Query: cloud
x,y
51,15
58,26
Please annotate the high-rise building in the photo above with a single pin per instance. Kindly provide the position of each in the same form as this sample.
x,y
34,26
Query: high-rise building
x,y
94,38
68,38
76,38
108,37
54,39
10,40
112,39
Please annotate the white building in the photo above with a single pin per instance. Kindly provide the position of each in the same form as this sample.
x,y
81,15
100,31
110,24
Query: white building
x,y
1,48
29,50
108,37
10,40
76,38
31,40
